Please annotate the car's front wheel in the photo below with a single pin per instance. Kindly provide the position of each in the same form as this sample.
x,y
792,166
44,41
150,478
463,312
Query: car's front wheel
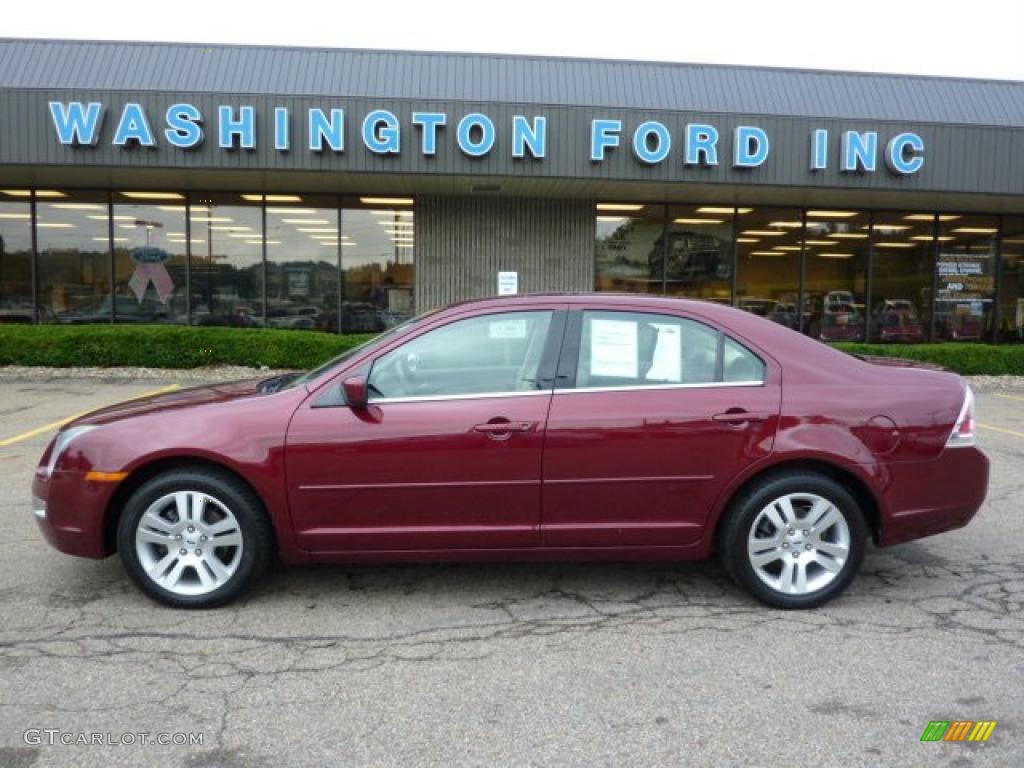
x,y
194,538
794,540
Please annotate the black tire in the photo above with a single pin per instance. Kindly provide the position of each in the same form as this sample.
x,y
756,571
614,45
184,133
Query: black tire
x,y
745,510
257,535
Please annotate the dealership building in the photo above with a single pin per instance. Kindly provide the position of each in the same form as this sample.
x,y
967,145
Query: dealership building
x,y
345,190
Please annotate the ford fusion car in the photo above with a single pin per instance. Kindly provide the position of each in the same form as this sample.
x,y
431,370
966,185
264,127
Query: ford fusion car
x,y
563,427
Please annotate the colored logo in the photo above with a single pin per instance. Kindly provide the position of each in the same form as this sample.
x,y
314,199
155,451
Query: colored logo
x,y
958,730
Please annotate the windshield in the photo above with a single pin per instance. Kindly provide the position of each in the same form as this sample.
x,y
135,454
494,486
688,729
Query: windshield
x,y
348,354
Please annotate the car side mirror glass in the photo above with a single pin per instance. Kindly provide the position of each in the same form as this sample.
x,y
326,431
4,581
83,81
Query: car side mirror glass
x,y
356,391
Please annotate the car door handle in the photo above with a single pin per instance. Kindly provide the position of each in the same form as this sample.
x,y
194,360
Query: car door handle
x,y
504,427
737,416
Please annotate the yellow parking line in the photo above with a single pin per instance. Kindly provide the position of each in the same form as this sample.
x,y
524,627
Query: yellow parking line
x,y
1009,397
1001,429
55,424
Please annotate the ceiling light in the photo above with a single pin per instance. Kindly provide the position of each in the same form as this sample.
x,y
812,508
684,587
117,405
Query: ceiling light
x,y
787,224
787,247
766,253
818,242
306,221
15,216
930,217
834,255
104,217
609,219
272,198
403,245
212,218
295,211
763,232
153,195
390,213
78,206
747,240
386,200
54,225
977,230
178,208
411,224
697,221
895,245
849,235
232,228
831,214
727,211
615,206
28,193
332,230
929,238
889,227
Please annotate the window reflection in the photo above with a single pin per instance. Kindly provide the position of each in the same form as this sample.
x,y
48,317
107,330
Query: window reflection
x,y
377,259
1011,282
835,287
74,258
150,255
15,263
302,263
629,250
227,261
768,247
904,248
698,255
965,278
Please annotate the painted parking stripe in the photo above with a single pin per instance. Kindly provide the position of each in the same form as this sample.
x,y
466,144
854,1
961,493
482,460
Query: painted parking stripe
x,y
1001,429
55,424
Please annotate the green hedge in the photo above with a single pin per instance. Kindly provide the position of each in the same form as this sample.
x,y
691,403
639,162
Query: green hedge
x,y
965,358
167,346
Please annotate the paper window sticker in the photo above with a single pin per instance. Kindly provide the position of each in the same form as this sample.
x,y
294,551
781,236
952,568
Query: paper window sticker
x,y
668,355
613,348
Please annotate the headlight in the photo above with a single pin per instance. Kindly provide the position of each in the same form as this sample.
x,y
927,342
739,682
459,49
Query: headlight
x,y
63,442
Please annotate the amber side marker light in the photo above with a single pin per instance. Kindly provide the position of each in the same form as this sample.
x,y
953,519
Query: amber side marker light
x,y
105,477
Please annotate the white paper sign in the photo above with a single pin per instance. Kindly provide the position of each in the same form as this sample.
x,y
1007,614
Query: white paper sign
x,y
668,355
613,348
508,283
507,329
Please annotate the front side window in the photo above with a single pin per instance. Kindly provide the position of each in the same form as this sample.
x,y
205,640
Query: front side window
x,y
490,354
633,349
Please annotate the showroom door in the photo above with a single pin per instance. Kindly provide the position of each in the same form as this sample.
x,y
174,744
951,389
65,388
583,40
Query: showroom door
x,y
661,413
447,455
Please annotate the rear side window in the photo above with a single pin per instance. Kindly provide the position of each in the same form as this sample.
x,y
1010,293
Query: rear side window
x,y
638,349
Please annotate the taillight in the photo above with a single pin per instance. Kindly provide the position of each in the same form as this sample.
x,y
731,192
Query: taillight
x,y
963,433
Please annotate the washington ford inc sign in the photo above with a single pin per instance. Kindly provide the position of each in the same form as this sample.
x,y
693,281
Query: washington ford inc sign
x,y
185,127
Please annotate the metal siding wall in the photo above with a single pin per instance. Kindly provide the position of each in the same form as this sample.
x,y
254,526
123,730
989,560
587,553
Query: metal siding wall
x,y
463,242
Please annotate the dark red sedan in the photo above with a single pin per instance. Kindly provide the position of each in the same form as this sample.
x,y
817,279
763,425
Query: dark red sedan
x,y
535,427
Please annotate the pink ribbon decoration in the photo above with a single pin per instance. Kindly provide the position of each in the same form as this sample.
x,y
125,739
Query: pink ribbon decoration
x,y
156,273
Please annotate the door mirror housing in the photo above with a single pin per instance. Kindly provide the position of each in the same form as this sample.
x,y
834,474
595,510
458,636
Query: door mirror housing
x,y
357,391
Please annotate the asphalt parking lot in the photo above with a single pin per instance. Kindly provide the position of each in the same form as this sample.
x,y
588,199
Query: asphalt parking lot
x,y
494,665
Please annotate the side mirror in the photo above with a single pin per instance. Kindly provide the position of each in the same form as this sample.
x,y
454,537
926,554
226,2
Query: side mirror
x,y
356,391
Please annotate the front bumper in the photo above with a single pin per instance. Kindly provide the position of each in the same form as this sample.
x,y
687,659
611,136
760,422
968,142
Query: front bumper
x,y
924,498
71,512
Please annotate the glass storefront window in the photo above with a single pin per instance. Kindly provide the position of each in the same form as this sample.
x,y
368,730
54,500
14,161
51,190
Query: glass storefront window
x,y
150,257
768,244
227,260
699,252
836,273
1010,326
74,265
15,262
904,255
302,263
378,265
629,248
965,277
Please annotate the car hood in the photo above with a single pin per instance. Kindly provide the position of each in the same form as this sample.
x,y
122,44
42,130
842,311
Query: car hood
x,y
169,401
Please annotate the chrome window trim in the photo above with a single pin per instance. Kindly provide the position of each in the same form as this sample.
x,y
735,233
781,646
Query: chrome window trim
x,y
474,396
655,387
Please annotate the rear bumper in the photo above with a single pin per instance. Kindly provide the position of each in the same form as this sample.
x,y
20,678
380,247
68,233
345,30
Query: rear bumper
x,y
929,497
70,512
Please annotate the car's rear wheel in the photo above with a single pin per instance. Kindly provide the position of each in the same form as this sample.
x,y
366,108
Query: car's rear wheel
x,y
794,540
194,538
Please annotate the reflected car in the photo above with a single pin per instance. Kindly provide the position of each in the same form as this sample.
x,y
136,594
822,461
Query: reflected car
x,y
959,324
896,320
547,427
840,318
